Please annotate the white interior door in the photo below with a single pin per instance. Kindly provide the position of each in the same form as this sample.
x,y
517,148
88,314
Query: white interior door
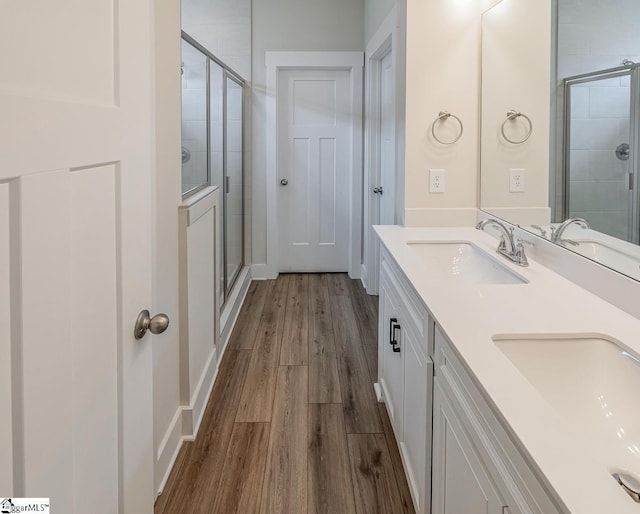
x,y
382,159
75,254
314,169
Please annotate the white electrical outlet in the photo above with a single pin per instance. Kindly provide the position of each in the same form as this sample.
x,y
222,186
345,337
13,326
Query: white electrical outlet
x,y
516,180
436,181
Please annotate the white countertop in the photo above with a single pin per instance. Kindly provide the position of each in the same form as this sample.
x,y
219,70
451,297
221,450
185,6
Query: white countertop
x,y
576,467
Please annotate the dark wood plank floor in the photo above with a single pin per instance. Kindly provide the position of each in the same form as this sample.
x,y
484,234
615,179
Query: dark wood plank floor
x,y
293,425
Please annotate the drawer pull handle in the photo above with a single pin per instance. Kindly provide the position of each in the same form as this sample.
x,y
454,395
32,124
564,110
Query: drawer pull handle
x,y
393,327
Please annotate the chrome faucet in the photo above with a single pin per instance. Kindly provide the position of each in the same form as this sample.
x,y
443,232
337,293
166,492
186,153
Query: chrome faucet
x,y
556,232
512,250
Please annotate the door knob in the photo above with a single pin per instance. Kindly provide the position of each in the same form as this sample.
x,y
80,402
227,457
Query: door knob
x,y
377,190
156,325
284,182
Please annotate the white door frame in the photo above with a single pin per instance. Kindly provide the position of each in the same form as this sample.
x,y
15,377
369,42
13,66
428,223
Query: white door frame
x,y
380,44
353,62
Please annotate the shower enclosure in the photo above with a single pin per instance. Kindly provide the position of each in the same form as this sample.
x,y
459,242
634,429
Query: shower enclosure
x,y
601,122
213,146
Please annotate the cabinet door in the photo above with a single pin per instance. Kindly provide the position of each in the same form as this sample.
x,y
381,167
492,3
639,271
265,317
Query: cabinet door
x,y
391,362
461,484
415,447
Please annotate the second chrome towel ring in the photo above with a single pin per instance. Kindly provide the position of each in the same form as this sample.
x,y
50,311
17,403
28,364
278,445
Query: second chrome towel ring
x,y
443,116
511,116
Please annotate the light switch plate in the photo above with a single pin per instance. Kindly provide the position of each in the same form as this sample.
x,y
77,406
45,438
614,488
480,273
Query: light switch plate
x,y
436,181
516,180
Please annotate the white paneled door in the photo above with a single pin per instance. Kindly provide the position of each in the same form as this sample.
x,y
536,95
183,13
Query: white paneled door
x,y
314,169
75,254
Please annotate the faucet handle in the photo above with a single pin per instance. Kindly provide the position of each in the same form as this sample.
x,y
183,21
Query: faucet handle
x,y
520,256
503,243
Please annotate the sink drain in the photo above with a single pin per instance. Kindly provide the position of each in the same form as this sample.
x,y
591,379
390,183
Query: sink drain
x,y
629,483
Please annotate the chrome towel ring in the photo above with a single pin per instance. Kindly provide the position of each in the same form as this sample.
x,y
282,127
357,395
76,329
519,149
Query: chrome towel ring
x,y
443,116
511,116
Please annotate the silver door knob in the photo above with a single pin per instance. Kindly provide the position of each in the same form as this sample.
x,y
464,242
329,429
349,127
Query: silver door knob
x,y
284,182
377,190
156,325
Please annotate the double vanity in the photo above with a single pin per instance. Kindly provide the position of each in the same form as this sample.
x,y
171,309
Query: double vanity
x,y
510,389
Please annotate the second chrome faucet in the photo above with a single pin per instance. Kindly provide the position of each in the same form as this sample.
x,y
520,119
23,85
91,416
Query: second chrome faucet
x,y
508,247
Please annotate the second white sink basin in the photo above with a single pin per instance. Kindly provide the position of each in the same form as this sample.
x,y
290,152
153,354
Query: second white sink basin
x,y
465,261
592,382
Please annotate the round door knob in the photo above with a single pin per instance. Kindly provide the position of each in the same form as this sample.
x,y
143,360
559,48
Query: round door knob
x,y
284,182
156,325
377,190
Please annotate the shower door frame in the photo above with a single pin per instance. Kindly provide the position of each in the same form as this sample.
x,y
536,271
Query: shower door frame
x,y
633,71
226,75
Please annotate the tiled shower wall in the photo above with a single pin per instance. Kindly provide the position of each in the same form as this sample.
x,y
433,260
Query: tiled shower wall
x,y
595,35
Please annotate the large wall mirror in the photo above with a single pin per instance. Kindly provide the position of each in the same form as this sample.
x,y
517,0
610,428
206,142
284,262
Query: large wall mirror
x,y
561,124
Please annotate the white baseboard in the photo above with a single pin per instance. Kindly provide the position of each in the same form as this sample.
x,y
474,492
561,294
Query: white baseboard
x,y
259,272
378,390
263,272
364,278
231,310
449,217
194,413
169,448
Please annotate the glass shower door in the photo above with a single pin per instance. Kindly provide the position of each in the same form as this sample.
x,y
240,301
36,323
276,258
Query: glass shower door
x,y
598,157
194,118
233,197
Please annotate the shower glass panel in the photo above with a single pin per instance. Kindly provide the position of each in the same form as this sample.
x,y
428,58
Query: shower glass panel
x,y
216,114
599,157
195,172
233,160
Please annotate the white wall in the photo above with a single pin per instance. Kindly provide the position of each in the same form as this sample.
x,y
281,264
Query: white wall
x,y
516,45
291,25
443,73
375,11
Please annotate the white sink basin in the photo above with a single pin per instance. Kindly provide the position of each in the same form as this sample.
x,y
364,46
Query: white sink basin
x,y
465,261
592,382
609,256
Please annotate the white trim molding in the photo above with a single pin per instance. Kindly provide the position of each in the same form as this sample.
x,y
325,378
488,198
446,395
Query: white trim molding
x,y
385,40
353,62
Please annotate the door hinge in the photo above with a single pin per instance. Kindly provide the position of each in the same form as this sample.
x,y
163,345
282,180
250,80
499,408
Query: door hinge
x,y
631,179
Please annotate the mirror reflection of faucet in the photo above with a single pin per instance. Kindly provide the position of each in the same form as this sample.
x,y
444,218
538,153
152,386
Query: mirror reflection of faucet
x,y
556,232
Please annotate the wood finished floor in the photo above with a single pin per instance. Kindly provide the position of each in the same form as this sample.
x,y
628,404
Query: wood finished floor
x,y
293,425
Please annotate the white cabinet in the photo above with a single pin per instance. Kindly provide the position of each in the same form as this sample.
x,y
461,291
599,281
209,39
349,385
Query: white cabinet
x,y
461,484
477,465
391,357
471,463
405,377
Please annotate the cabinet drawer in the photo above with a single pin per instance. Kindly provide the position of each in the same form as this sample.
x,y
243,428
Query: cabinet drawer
x,y
518,485
413,309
